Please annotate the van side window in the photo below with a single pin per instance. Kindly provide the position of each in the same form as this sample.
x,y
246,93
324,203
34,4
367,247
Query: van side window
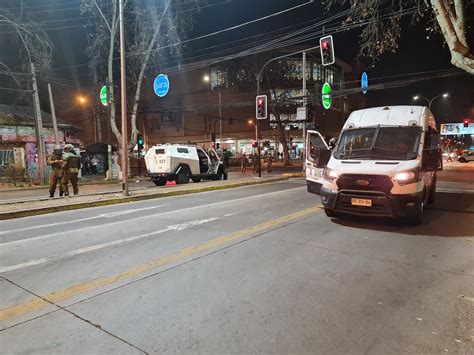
x,y
183,150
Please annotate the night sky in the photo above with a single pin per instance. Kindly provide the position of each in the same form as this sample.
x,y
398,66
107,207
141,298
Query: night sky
x,y
416,53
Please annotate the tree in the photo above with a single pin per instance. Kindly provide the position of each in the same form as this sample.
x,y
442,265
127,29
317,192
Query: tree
x,y
29,44
277,80
383,25
151,29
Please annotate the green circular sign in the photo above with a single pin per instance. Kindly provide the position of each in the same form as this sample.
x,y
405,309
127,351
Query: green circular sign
x,y
103,95
326,96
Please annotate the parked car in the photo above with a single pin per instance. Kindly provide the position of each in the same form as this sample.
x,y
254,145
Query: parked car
x,y
466,156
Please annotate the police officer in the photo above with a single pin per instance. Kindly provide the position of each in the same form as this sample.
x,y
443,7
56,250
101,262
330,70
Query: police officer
x,y
55,161
71,164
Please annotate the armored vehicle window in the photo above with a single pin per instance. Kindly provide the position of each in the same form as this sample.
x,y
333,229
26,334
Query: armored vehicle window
x,y
159,151
183,150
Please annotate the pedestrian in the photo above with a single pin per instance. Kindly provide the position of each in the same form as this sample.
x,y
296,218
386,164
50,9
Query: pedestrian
x,y
269,164
55,161
94,163
255,163
71,165
243,163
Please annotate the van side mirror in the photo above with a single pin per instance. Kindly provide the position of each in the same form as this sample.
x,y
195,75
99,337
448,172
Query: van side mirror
x,y
323,158
432,160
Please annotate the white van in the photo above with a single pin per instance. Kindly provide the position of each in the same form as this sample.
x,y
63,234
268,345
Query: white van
x,y
383,164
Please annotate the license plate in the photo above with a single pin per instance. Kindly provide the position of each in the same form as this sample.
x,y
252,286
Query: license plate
x,y
361,202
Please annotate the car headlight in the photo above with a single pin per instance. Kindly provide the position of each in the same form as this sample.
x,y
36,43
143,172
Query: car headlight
x,y
407,177
330,175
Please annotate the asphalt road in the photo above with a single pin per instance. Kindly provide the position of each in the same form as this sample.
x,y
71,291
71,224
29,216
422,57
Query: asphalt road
x,y
247,270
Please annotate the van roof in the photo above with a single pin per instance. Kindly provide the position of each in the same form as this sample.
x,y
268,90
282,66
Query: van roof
x,y
391,116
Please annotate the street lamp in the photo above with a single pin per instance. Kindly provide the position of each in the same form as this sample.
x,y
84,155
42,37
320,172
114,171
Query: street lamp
x,y
417,97
207,79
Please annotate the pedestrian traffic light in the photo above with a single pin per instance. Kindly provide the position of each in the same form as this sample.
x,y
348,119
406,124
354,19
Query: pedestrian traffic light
x,y
465,123
326,45
261,107
254,144
140,142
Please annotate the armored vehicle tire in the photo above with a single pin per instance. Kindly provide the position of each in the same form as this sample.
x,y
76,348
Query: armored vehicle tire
x,y
219,175
183,177
160,182
196,179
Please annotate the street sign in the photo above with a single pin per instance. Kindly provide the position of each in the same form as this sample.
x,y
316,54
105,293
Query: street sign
x,y
301,113
161,85
326,96
364,82
103,95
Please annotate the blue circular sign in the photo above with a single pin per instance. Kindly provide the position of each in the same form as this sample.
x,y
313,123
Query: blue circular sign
x,y
364,82
161,85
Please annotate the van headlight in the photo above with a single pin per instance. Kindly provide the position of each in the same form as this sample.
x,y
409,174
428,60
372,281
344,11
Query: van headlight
x,y
407,177
330,175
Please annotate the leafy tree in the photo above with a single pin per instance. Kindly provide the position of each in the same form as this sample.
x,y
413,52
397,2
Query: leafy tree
x,y
152,29
383,25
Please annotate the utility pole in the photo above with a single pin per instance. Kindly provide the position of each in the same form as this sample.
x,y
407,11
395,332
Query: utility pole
x,y
306,112
123,89
42,168
109,134
220,117
53,115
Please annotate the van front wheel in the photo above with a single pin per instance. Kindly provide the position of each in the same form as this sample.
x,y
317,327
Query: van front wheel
x,y
416,219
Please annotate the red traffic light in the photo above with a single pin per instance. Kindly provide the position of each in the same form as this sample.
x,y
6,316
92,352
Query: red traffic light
x,y
324,44
260,101
466,123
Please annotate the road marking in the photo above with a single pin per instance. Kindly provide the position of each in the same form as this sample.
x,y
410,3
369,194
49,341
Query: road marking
x,y
56,257
103,215
74,290
62,234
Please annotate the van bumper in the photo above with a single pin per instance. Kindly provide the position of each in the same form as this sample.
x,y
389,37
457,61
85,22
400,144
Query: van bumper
x,y
383,205
313,187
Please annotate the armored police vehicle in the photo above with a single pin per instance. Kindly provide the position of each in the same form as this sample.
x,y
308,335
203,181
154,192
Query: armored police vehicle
x,y
180,163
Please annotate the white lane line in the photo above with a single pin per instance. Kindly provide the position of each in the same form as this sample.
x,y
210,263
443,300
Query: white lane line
x,y
103,215
68,254
63,234
231,214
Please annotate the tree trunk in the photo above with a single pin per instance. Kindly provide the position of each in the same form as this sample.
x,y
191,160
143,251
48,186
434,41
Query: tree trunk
x,y
138,88
453,27
280,129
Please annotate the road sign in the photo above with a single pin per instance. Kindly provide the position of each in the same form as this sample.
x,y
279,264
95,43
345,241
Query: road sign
x,y
301,113
326,96
364,82
103,95
161,85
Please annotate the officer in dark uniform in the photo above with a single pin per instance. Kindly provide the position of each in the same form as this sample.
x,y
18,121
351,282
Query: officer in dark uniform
x,y
71,165
55,161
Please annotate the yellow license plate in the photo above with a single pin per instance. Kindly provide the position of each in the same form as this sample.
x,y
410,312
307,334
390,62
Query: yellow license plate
x,y
361,202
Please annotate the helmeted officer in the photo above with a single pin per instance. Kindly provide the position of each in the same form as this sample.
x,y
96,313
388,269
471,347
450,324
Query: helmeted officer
x,y
55,161
71,164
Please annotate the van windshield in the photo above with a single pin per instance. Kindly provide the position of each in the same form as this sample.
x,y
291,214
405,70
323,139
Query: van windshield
x,y
388,143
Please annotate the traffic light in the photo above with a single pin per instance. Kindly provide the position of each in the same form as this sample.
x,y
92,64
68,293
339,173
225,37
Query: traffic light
x,y
254,144
261,107
465,123
326,45
218,146
140,142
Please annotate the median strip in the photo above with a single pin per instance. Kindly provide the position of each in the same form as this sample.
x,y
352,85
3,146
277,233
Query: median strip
x,y
24,209
74,290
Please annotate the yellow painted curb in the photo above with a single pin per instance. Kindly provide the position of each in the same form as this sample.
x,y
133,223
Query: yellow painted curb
x,y
293,174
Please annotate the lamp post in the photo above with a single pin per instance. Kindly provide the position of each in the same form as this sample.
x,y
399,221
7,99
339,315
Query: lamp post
x,y
207,79
418,97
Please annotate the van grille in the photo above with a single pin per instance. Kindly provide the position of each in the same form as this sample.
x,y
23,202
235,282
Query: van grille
x,y
365,182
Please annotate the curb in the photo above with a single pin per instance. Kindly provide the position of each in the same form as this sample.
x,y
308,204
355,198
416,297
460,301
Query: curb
x,y
120,200
294,174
